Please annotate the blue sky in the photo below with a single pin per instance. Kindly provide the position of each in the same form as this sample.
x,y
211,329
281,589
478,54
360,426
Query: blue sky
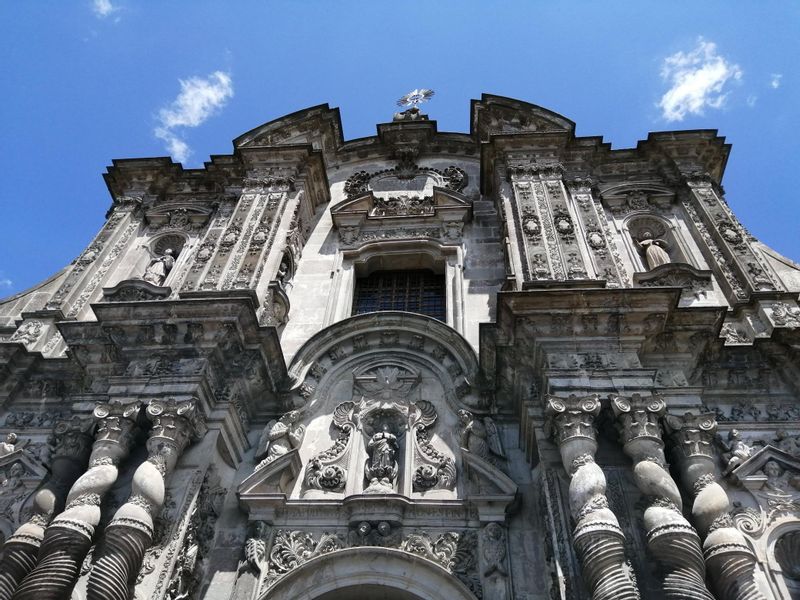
x,y
87,81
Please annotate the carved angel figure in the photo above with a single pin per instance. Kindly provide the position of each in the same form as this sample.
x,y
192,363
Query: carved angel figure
x,y
279,437
494,550
159,267
9,445
381,467
480,436
736,450
655,250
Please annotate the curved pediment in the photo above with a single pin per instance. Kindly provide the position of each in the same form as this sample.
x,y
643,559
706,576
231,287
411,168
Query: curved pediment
x,y
497,115
375,216
314,125
416,339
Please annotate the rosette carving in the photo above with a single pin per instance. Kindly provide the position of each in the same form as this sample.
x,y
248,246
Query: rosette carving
x,y
729,560
598,538
326,471
69,536
433,469
119,555
670,537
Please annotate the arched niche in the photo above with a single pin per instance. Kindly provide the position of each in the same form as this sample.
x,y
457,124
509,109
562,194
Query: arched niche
x,y
156,246
783,552
369,573
638,225
406,371
417,338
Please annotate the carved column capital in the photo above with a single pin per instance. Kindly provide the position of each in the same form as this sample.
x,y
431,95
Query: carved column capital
x,y
175,424
692,435
73,438
638,417
572,419
115,424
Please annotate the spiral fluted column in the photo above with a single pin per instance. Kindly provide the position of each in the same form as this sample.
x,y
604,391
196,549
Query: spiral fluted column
x,y
119,555
674,543
68,538
597,537
730,562
73,440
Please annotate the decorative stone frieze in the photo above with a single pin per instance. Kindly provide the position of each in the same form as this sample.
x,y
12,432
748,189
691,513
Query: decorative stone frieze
x,y
597,536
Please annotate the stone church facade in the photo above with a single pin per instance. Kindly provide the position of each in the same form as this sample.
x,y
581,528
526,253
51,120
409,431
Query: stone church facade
x,y
513,364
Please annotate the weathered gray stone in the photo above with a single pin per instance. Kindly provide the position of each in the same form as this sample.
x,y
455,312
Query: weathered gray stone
x,y
290,448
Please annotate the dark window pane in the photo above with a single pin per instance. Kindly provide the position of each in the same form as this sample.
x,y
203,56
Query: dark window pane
x,y
412,291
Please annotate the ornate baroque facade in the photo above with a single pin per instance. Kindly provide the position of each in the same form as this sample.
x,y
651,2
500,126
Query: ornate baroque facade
x,y
513,364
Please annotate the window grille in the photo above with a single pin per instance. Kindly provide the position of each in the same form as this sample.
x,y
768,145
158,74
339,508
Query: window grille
x,y
419,291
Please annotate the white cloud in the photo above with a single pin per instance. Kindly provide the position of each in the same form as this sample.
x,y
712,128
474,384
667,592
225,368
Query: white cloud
x,y
775,81
5,282
103,8
199,99
697,79
751,100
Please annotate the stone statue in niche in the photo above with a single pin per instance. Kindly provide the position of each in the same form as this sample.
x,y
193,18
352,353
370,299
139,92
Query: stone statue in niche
x,y
480,436
279,437
381,466
655,250
159,267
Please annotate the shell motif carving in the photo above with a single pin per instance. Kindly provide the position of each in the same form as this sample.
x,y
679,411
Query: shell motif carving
x,y
787,553
435,468
324,471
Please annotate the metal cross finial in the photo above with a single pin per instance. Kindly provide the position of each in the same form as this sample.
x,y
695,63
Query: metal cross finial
x,y
415,97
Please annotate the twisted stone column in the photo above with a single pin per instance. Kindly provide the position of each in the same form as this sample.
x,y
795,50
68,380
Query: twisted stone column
x,y
598,538
729,560
68,538
672,540
73,440
119,555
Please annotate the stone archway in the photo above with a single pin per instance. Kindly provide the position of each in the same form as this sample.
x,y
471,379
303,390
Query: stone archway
x,y
368,573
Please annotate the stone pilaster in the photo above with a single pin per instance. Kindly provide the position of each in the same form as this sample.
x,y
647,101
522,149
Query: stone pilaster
x,y
118,557
73,441
672,540
742,268
729,560
68,538
597,537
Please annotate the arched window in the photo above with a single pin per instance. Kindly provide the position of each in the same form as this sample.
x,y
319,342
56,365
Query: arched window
x,y
418,290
